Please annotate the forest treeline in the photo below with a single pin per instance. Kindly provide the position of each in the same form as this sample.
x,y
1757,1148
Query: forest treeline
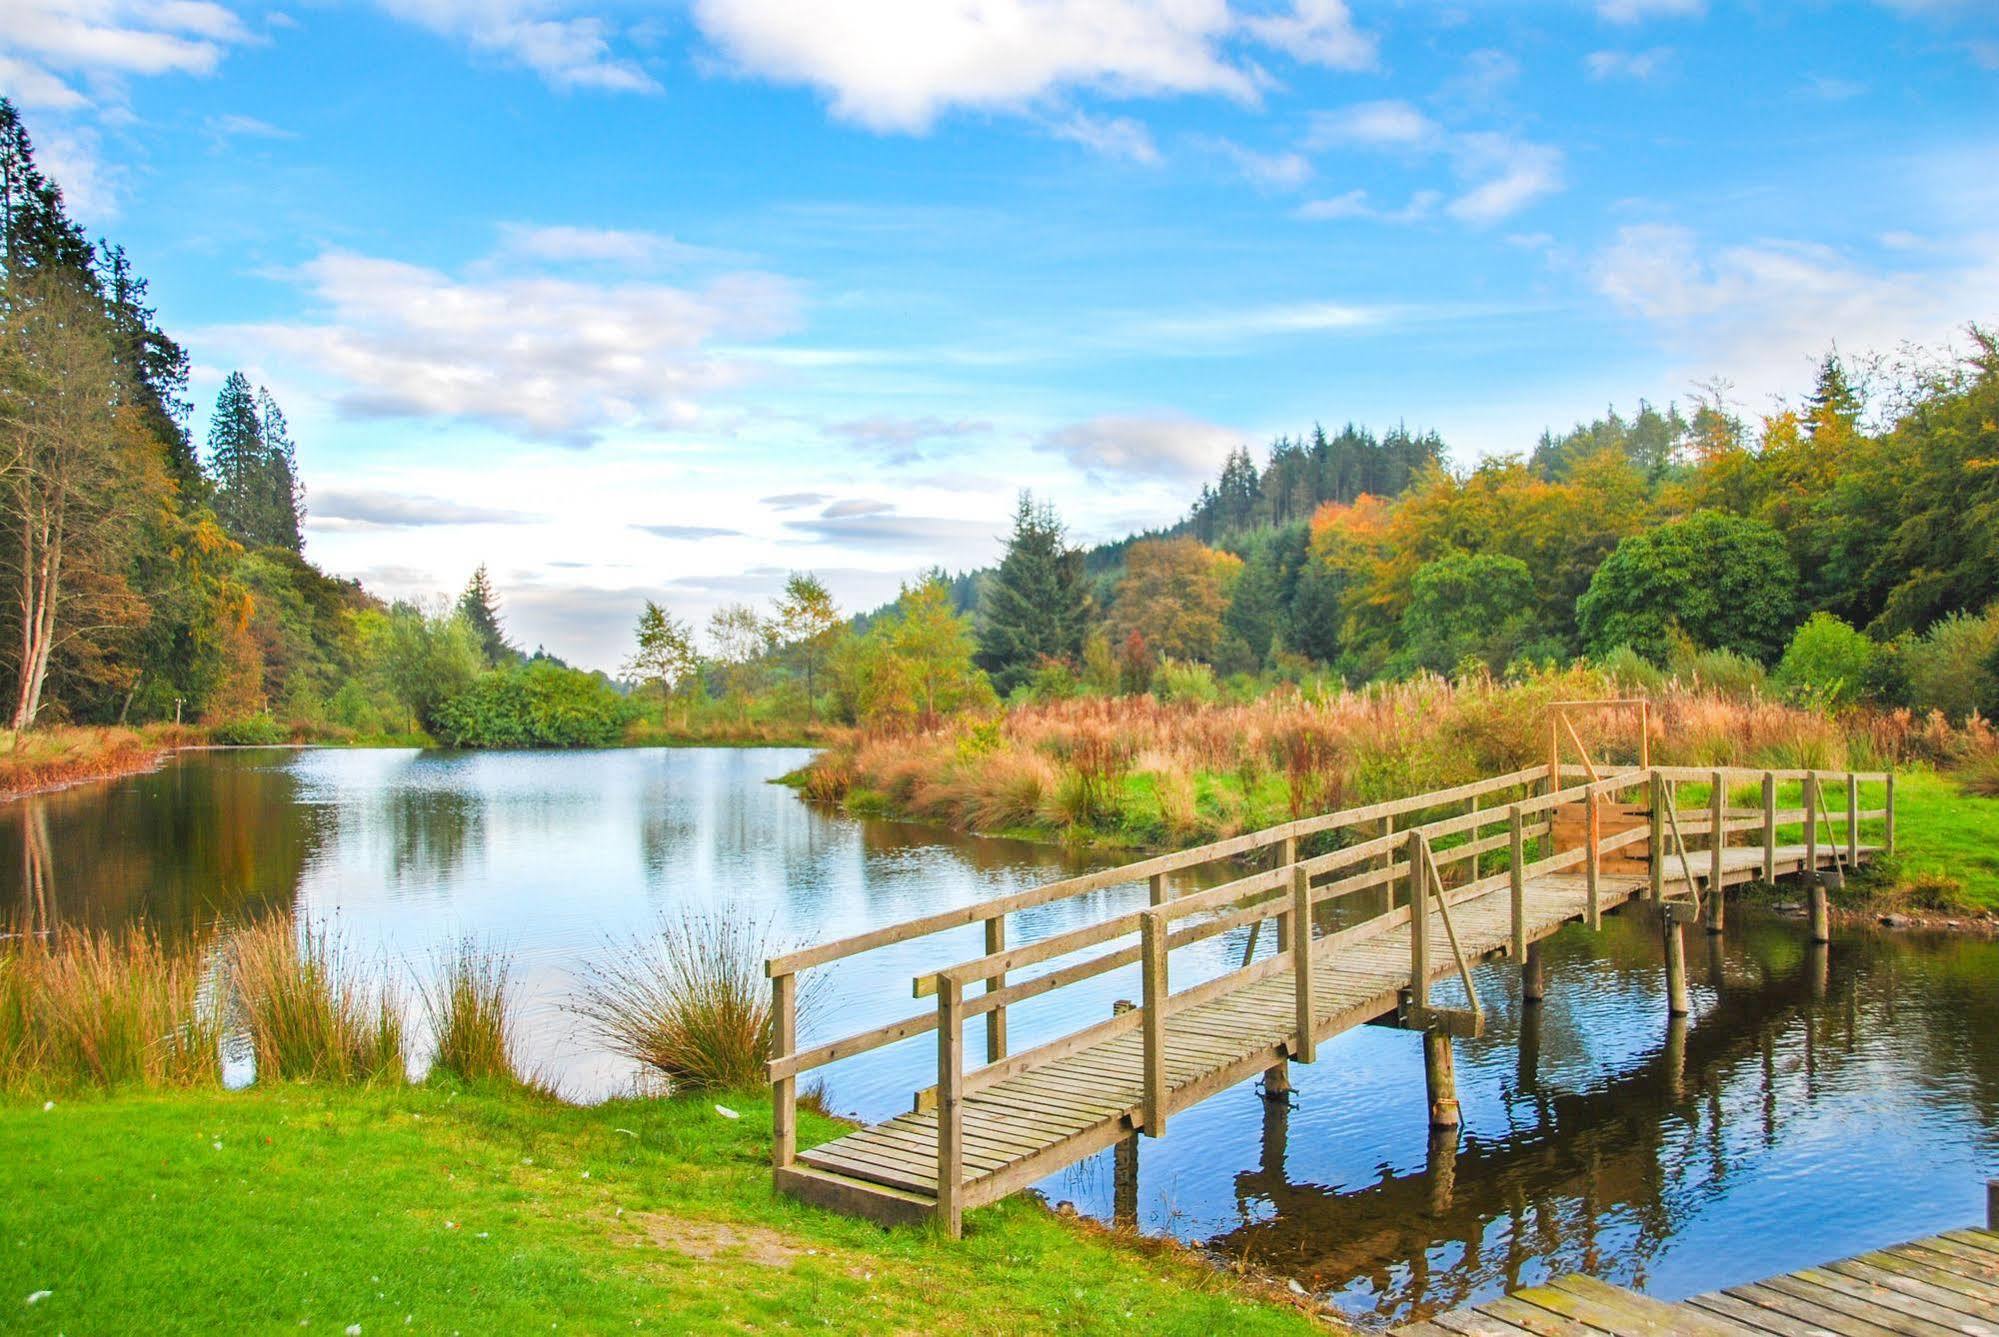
x,y
1842,549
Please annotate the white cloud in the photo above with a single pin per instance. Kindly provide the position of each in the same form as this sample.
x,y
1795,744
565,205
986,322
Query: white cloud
x,y
571,52
896,65
550,358
1505,175
1384,124
1357,204
366,508
1174,446
1283,170
1112,136
899,438
1640,65
1763,310
246,127
1318,32
1638,11
589,245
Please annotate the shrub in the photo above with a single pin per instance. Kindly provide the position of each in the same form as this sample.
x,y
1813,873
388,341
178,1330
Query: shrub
x,y
1980,777
308,1014
469,1004
1827,664
1724,580
1631,671
1723,672
536,704
691,1004
250,731
1950,666
1179,680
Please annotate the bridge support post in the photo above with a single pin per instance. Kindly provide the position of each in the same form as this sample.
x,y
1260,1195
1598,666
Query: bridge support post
x,y
1124,1160
1530,1049
1533,980
1769,829
1440,1079
1676,967
1676,1059
1442,1169
1821,908
1717,900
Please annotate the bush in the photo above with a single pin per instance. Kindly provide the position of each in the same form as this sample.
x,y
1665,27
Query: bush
x,y
1723,672
1950,667
1726,581
250,731
1827,664
536,704
1179,680
691,1005
1632,672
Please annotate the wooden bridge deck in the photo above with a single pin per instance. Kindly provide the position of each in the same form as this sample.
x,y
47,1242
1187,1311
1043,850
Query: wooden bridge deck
x,y
1947,1284
990,1131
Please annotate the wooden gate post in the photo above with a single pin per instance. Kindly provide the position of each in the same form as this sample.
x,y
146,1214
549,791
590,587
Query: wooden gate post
x,y
784,1091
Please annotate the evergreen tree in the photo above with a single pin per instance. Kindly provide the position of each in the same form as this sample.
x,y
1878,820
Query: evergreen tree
x,y
35,231
235,456
280,503
480,607
155,365
1834,402
1037,606
1255,604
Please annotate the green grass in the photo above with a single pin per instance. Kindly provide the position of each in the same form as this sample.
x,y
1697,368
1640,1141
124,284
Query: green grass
x,y
437,1209
1943,832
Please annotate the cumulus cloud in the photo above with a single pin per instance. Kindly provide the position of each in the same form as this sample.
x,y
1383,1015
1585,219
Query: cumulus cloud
x,y
567,52
362,508
1764,310
1388,123
1318,32
555,359
1169,446
1505,175
593,245
896,65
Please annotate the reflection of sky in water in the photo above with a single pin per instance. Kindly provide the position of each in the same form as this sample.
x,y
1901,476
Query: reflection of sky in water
x,y
1819,1108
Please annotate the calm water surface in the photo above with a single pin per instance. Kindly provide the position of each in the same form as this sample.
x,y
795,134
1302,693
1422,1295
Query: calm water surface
x,y
1818,1103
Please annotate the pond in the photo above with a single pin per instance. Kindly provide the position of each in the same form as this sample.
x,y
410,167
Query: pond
x,y
1818,1103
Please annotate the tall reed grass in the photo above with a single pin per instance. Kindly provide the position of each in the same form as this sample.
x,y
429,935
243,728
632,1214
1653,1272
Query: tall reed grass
x,y
469,1003
309,1012
108,1009
690,1004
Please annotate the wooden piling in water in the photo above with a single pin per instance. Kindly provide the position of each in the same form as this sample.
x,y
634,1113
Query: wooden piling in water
x,y
1124,1160
1676,968
1440,1079
1821,909
1533,981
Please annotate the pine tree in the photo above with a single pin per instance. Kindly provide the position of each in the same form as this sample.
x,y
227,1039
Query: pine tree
x,y
236,457
480,606
35,230
1037,606
281,501
154,363
1835,402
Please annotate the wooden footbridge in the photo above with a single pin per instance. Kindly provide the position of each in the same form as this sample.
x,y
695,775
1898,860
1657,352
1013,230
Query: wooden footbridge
x,y
1368,908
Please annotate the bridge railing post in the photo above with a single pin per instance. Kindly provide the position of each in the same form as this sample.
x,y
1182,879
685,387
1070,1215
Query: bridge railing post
x,y
784,1090
1593,860
1419,921
950,1098
1852,820
1301,960
996,1019
1153,928
1717,853
1516,853
1655,846
1811,824
1888,807
1769,827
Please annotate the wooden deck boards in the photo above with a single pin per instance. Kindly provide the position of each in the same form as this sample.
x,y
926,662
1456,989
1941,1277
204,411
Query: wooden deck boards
x,y
1032,1124
1944,1286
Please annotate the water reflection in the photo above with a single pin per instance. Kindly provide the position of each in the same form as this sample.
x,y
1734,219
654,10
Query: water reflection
x,y
1819,1102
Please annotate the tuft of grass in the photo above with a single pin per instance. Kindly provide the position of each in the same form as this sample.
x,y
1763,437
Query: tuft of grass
x,y
690,1004
309,1014
1980,777
469,1003
106,1009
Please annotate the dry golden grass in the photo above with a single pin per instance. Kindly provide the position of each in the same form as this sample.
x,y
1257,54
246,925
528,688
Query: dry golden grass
x,y
49,758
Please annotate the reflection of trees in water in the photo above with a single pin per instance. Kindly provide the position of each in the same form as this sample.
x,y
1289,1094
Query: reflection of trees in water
x,y
1631,1159
431,832
206,837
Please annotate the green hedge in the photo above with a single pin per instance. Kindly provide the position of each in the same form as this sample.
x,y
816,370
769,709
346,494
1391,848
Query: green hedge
x,y
537,704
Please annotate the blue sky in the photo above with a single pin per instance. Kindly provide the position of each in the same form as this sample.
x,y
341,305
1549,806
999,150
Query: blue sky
x,y
663,300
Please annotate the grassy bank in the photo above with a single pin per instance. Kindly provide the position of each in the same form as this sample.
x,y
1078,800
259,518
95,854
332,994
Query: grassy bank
x,y
53,757
486,1209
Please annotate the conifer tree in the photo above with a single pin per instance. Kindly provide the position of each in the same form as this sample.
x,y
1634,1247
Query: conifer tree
x,y
1037,605
280,502
35,231
236,456
480,606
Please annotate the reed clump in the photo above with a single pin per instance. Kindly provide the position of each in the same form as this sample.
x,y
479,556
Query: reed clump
x,y
103,1008
469,1003
690,1004
309,1013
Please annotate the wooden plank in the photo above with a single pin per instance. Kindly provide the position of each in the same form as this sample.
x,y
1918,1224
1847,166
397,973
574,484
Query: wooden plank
x,y
1974,1262
1647,1314
1821,1308
1472,1323
1910,1298
1949,1288
853,1197
1976,1239
1756,1319
1535,1319
1855,1299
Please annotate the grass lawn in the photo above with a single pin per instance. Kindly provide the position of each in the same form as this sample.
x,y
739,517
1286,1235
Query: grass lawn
x,y
1940,830
430,1209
